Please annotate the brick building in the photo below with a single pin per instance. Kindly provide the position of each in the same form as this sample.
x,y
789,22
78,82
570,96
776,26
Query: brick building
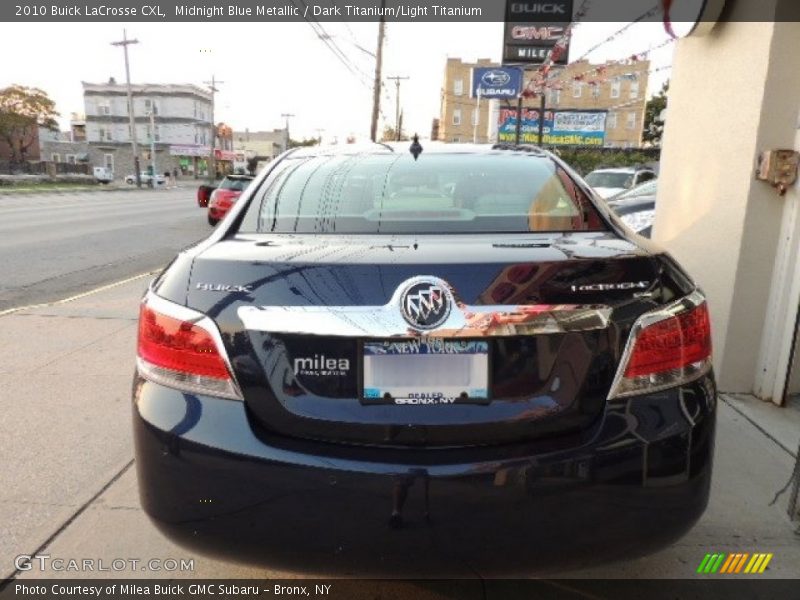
x,y
619,88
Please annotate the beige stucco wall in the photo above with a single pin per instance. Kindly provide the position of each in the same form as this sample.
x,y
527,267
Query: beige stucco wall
x,y
733,93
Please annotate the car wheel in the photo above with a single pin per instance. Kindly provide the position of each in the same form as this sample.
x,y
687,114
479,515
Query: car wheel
x,y
212,221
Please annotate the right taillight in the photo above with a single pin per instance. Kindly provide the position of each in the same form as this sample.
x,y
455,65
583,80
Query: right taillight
x,y
182,349
667,348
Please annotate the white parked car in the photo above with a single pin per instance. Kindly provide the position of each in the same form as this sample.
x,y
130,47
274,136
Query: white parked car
x,y
610,182
131,179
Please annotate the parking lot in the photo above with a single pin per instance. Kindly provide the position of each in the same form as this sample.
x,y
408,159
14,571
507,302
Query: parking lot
x,y
68,486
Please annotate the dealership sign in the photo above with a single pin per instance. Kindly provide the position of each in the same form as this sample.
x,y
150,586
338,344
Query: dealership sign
x,y
188,150
533,28
496,82
561,127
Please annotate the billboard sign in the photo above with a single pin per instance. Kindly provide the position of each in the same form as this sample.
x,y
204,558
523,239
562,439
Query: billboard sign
x,y
496,82
561,127
532,29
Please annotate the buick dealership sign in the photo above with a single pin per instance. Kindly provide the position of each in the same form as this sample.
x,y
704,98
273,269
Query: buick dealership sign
x,y
533,27
496,82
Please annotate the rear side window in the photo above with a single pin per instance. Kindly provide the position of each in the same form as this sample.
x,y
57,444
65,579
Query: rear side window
x,y
438,193
234,184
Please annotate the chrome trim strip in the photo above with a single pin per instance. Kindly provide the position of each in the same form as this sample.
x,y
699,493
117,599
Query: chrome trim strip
x,y
689,302
387,321
177,311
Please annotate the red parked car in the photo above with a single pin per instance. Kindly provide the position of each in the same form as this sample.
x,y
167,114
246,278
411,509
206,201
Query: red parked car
x,y
225,195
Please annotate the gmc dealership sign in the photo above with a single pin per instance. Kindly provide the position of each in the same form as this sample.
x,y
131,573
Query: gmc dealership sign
x,y
533,28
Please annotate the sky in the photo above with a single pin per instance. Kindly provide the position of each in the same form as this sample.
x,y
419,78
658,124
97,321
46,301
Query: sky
x,y
274,68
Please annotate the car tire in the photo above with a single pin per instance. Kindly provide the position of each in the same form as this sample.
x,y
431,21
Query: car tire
x,y
212,221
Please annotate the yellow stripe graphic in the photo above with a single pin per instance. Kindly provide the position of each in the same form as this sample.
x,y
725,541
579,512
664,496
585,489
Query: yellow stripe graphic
x,y
765,563
758,562
752,562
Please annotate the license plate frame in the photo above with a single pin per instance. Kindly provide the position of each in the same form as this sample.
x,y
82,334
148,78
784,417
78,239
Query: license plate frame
x,y
375,390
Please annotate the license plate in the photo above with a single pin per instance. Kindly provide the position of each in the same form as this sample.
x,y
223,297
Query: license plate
x,y
425,372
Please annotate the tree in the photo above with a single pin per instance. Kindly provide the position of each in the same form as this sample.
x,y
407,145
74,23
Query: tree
x,y
653,125
22,111
390,135
304,143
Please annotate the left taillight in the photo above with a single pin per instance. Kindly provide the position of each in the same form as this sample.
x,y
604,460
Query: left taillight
x,y
182,348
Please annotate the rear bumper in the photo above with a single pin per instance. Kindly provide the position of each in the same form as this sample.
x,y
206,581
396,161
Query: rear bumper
x,y
211,483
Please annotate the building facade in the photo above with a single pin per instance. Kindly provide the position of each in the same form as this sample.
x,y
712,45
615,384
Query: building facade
x,y
261,146
173,119
619,88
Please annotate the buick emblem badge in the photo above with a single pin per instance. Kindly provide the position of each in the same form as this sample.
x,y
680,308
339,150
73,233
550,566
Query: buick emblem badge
x,y
425,304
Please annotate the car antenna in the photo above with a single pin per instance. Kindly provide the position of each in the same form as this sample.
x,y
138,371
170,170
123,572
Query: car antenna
x,y
416,147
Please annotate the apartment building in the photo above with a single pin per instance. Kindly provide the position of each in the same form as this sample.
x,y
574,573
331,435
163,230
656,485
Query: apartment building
x,y
173,118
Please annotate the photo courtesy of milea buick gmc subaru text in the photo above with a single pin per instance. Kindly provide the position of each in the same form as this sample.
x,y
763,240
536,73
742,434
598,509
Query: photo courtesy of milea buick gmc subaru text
x,y
400,361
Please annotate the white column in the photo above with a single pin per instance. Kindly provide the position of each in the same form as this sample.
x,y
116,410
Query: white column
x,y
733,94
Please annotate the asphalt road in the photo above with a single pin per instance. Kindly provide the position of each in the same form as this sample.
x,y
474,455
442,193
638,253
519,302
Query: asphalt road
x,y
57,245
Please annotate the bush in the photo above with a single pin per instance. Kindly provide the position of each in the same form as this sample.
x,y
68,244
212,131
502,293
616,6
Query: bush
x,y
585,160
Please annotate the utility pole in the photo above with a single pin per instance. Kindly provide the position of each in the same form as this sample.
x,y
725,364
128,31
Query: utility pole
x,y
125,42
212,162
287,116
154,179
319,135
397,124
376,92
542,107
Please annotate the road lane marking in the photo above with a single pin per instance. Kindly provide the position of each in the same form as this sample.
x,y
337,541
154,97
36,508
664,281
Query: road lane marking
x,y
102,288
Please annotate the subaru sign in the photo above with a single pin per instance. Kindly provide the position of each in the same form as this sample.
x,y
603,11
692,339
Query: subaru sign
x,y
496,82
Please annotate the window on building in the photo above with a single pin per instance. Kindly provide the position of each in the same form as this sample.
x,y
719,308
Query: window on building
x,y
611,120
456,140
634,90
104,108
70,158
194,104
555,97
457,116
630,123
595,91
577,89
458,87
55,157
105,134
616,85
150,106
108,161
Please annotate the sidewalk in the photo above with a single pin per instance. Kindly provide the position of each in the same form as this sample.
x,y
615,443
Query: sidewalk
x,y
70,491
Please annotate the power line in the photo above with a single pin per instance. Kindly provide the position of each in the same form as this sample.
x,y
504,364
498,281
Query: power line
x,y
327,39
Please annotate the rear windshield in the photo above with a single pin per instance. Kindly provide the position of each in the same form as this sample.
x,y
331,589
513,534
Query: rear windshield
x,y
645,189
438,193
609,180
234,184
